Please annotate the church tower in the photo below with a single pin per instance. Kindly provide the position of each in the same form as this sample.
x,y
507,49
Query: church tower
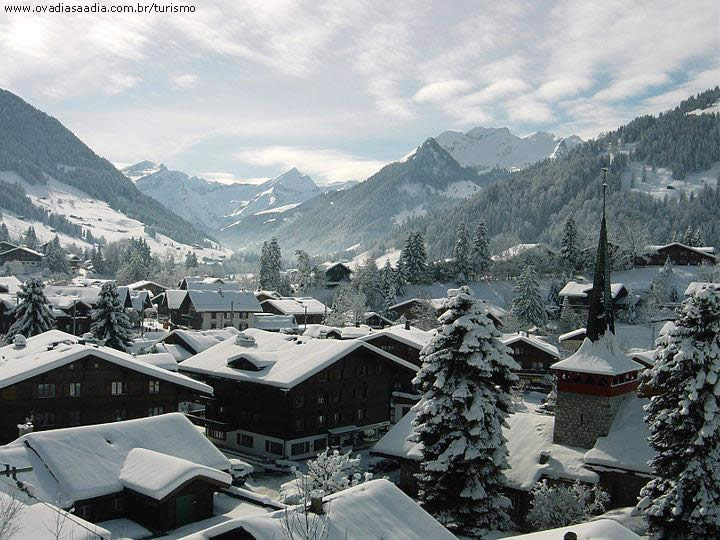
x,y
592,383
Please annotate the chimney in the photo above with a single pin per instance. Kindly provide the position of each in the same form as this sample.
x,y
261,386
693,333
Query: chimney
x,y
544,457
316,501
407,325
570,536
19,341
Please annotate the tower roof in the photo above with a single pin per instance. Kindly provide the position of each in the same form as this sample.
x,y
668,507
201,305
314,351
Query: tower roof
x,y
600,357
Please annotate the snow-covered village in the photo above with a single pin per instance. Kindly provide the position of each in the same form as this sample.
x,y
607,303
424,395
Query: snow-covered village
x,y
333,270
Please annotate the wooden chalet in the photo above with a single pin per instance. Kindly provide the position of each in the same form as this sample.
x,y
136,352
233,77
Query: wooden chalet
x,y
337,272
29,258
306,310
6,246
208,284
679,254
168,306
158,472
154,288
72,307
55,380
579,293
534,355
278,396
212,309
375,320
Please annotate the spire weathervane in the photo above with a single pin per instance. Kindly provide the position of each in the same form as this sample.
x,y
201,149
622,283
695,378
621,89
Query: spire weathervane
x,y
600,313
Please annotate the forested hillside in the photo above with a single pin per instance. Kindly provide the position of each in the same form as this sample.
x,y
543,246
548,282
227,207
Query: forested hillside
x,y
532,205
35,146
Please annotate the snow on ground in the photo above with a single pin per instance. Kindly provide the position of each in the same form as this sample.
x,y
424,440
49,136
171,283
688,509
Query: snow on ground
x,y
92,214
462,189
627,517
393,255
403,216
278,209
124,529
712,109
658,182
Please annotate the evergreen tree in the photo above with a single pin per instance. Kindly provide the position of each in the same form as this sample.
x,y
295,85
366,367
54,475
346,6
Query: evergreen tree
x,y
568,317
4,233
424,315
465,382
553,296
688,237
401,279
461,253
698,238
415,258
367,281
33,314
644,175
527,304
191,261
110,323
133,269
683,500
387,283
305,270
569,250
30,239
97,260
480,255
55,257
348,307
270,266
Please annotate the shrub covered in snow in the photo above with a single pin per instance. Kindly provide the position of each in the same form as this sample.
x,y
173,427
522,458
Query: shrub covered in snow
x,y
465,381
557,505
684,500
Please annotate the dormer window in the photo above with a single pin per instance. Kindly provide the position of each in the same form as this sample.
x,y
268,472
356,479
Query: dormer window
x,y
244,364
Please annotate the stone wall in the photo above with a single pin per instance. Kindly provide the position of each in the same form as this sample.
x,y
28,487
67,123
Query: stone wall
x,y
580,419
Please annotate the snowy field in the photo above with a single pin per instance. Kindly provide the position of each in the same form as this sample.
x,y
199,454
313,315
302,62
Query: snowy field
x,y
658,181
94,215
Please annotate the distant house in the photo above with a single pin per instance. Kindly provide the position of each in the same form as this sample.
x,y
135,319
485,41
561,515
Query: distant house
x,y
573,339
6,246
336,272
407,308
29,258
267,295
276,323
373,510
7,317
279,396
211,309
72,307
141,300
375,320
403,341
72,383
168,305
306,310
158,472
154,288
9,285
578,294
124,297
534,355
698,285
679,254
207,284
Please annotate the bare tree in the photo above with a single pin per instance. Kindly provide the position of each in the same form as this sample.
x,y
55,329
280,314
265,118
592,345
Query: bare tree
x,y
9,509
310,519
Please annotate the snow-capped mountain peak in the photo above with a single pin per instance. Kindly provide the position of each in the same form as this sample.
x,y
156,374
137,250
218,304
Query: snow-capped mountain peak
x,y
144,168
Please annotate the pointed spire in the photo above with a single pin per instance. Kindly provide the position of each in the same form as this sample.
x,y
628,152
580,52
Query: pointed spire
x,y
600,314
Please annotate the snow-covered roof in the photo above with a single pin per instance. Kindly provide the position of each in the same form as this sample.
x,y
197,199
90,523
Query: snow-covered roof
x,y
224,301
414,337
626,444
369,314
646,358
374,509
328,265
9,300
602,529
53,349
144,284
63,297
157,475
298,305
698,285
573,334
139,299
527,435
280,360
436,303
708,251
40,522
533,341
268,321
210,284
495,311
395,442
163,360
196,341
124,295
85,462
22,248
601,357
11,283
173,298
355,332
577,289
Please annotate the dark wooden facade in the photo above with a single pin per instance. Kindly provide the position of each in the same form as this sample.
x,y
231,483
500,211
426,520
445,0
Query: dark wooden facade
x,y
78,318
396,347
55,404
534,362
337,273
356,390
679,255
23,255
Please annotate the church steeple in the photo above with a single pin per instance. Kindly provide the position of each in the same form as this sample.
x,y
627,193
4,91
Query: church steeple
x,y
600,314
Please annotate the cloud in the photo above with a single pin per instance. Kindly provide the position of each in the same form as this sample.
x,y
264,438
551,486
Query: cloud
x,y
442,90
631,86
528,109
119,82
563,88
184,81
497,90
324,165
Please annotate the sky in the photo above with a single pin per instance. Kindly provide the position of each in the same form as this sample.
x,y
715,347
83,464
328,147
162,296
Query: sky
x,y
246,89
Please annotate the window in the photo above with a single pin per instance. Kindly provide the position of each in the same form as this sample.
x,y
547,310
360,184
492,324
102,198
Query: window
x,y
154,387
119,415
119,388
248,441
336,396
321,398
300,424
74,418
360,414
118,504
44,418
319,445
213,326
361,370
74,389
216,434
335,418
272,447
379,369
45,390
155,411
299,401
228,315
243,315
321,420
213,315
300,448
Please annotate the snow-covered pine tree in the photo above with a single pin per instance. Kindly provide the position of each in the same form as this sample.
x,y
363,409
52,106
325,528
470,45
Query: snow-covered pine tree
x,y
367,281
275,263
480,255
415,258
683,500
568,317
32,315
110,323
569,250
553,296
401,279
97,260
30,239
688,237
387,283
698,238
55,257
527,304
264,268
305,270
191,261
461,253
332,471
558,505
465,382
